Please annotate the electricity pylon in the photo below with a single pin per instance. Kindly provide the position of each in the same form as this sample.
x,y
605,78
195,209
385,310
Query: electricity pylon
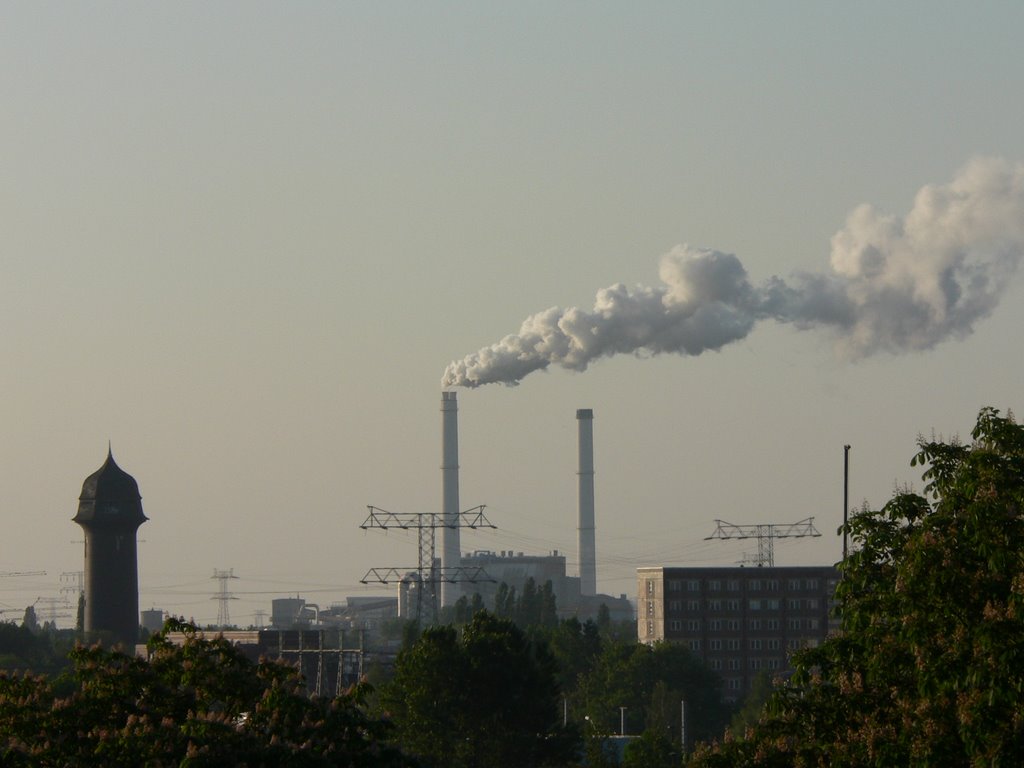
x,y
429,575
765,535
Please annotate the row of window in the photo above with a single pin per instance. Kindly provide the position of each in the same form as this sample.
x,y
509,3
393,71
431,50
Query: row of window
x,y
733,644
733,625
754,604
733,665
733,585
754,643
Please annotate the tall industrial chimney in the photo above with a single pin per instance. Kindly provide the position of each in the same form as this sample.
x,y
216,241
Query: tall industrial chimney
x,y
585,531
451,549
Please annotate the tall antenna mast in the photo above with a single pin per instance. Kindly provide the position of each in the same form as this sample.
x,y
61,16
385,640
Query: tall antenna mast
x,y
765,535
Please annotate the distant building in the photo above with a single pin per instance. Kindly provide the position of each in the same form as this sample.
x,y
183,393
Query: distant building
x,y
110,513
739,621
514,568
153,620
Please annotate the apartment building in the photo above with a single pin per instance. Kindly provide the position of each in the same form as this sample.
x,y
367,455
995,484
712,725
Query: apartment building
x,y
739,621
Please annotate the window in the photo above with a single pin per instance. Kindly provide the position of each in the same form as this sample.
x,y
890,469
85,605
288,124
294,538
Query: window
x,y
735,683
734,663
715,644
755,605
675,625
793,603
794,585
693,625
771,604
714,605
755,585
734,585
755,644
793,644
794,624
733,644
773,643
715,625
693,585
811,584
772,585
812,623
714,586
734,625
715,664
771,624
732,605
693,605
771,663
674,585
754,624
675,605
755,664
812,603
694,644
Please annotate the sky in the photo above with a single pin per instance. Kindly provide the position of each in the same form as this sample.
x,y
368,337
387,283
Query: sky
x,y
242,243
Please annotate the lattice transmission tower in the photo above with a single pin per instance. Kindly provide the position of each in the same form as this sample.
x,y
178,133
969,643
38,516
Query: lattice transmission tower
x,y
427,573
765,535
223,596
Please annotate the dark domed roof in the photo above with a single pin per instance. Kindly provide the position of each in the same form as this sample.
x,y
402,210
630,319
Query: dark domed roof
x,y
110,495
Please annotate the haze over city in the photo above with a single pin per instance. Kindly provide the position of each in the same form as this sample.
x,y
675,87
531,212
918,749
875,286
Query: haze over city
x,y
246,245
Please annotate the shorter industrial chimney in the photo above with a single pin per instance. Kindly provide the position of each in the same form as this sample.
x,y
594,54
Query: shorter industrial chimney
x,y
585,530
451,547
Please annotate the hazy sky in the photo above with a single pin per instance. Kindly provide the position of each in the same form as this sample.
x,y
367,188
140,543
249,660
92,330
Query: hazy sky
x,y
243,241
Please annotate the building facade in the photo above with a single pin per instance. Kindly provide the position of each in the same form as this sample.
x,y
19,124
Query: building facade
x,y
739,621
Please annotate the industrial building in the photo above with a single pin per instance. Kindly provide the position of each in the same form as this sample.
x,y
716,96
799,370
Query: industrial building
x,y
738,621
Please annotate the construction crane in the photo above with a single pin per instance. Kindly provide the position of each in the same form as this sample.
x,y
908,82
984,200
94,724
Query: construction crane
x,y
4,574
765,535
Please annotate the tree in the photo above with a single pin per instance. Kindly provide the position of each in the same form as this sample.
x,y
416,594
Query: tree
x,y
651,682
928,668
485,697
202,703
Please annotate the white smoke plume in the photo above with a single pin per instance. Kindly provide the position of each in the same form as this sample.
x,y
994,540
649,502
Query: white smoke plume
x,y
895,285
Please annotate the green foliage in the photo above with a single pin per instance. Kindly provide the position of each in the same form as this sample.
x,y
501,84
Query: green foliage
x,y
199,704
651,682
42,651
532,608
487,696
929,666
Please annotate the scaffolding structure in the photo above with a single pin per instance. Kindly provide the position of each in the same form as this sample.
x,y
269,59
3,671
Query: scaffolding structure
x,y
427,573
765,535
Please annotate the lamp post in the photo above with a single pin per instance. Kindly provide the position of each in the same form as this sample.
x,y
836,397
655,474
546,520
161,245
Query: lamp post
x,y
622,721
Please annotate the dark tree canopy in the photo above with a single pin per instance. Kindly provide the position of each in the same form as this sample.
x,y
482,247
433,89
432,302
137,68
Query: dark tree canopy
x,y
928,668
199,704
487,696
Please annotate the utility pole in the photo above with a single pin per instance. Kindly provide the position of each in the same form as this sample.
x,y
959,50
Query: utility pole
x,y
682,727
846,497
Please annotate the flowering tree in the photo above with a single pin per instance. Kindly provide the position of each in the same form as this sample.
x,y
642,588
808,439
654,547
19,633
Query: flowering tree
x,y
928,668
202,703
